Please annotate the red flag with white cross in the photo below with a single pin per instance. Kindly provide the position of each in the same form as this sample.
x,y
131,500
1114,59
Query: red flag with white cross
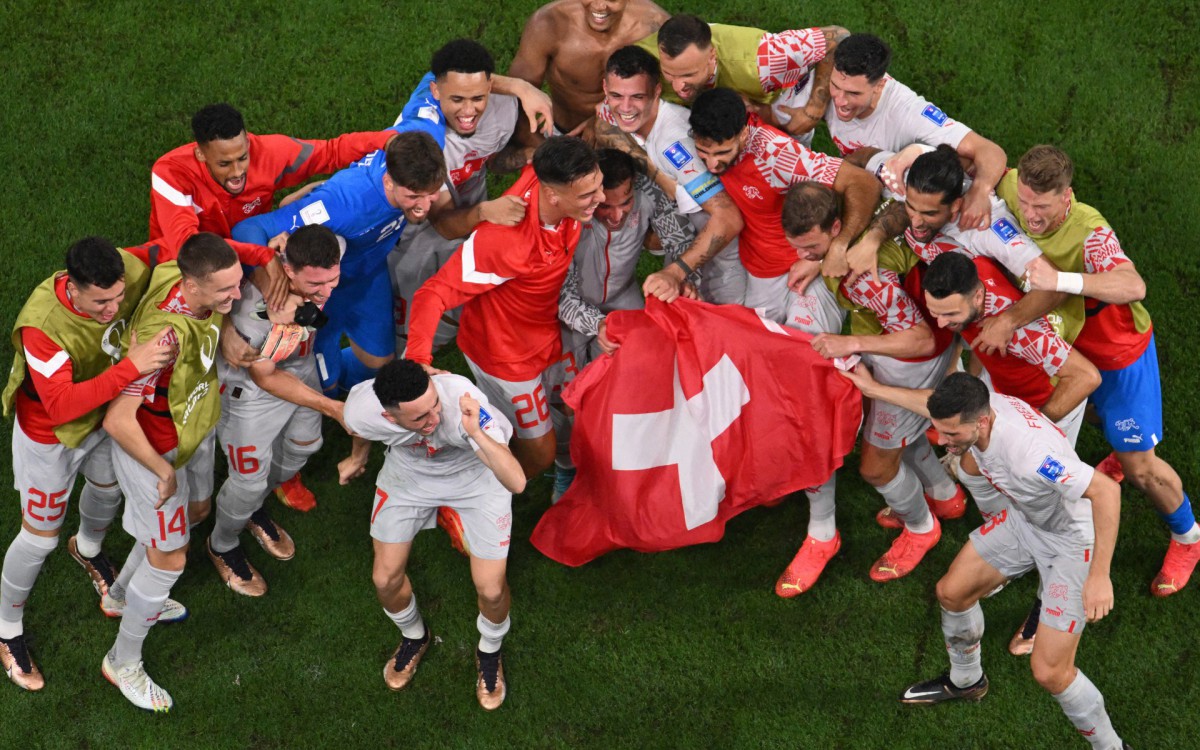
x,y
705,411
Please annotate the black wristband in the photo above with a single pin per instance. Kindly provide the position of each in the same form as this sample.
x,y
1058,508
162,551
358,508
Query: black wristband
x,y
687,271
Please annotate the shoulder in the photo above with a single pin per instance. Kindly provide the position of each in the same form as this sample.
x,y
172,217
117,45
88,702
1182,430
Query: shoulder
x,y
551,18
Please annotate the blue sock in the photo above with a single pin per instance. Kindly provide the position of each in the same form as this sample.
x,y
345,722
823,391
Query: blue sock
x,y
353,370
1182,520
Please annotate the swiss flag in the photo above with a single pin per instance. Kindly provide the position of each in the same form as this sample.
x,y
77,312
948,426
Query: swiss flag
x,y
704,411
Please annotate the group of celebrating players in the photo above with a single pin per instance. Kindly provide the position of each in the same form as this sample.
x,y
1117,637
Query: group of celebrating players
x,y
239,326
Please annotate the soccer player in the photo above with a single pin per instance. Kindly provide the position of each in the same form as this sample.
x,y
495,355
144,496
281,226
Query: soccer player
x,y
228,174
603,278
1038,366
565,44
756,164
444,448
636,120
271,411
1117,336
163,426
889,331
697,56
933,202
1062,520
368,206
870,109
508,280
67,365
482,135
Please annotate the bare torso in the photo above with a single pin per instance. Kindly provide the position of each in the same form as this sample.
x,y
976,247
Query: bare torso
x,y
560,48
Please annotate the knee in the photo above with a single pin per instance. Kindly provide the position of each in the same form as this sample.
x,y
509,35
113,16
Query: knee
x,y
243,486
387,581
198,511
950,597
876,471
492,593
1054,678
372,361
304,449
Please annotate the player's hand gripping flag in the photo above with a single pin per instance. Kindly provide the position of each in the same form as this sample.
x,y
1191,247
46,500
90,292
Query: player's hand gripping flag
x,y
702,413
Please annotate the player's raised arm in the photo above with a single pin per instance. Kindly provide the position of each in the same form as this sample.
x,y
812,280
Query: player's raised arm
x,y
493,454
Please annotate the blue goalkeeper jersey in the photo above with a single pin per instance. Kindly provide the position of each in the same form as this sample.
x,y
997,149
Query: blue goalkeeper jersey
x,y
352,202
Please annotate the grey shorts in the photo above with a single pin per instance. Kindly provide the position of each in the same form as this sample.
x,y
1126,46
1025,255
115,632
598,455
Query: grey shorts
x,y
526,403
253,423
44,473
1013,546
396,517
164,528
887,425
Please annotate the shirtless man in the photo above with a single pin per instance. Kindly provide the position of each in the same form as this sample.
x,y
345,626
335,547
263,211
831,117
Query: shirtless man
x,y
566,43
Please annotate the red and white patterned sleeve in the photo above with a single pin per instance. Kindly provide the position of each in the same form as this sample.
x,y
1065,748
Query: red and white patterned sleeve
x,y
145,386
1038,344
1102,251
784,161
785,58
887,299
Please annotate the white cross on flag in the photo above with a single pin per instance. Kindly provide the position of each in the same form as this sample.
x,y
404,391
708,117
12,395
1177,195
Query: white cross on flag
x,y
703,412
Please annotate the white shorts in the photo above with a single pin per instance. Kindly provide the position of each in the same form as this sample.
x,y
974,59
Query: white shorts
x,y
418,255
526,403
816,311
396,517
44,473
166,527
252,424
770,295
888,426
1013,546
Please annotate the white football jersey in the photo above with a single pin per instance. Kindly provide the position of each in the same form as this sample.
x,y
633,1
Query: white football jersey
x,y
795,97
466,156
249,317
1029,460
436,466
671,147
1002,241
900,117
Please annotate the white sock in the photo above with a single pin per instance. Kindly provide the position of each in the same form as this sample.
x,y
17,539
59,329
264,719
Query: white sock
x,y
97,509
936,483
1084,706
143,601
903,495
409,620
1191,537
963,631
822,525
491,634
22,563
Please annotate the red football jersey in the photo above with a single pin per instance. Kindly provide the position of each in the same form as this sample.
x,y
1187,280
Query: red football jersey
x,y
508,280
184,198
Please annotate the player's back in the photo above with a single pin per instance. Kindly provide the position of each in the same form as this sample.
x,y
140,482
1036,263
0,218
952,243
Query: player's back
x,y
1030,460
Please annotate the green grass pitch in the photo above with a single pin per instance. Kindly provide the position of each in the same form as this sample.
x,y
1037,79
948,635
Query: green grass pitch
x,y
684,649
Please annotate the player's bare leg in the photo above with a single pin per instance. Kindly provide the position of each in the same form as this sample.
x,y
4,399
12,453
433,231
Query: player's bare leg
x,y
883,469
969,578
394,591
1161,483
1053,663
495,600
534,454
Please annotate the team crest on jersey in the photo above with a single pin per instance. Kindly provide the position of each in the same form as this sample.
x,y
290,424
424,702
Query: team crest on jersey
x,y
677,154
485,419
249,207
1053,471
752,192
1004,229
934,115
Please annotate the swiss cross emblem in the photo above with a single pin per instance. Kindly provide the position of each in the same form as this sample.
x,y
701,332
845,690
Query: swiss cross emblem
x,y
752,192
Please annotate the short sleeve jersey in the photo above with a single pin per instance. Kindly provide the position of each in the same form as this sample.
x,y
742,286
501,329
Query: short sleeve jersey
x,y
1030,460
436,466
900,117
1003,241
466,156
670,145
